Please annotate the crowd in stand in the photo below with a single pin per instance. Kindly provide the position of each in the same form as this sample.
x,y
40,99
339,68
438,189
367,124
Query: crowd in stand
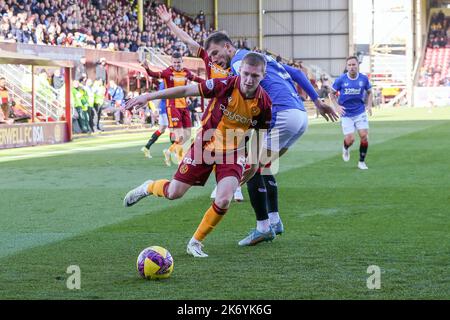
x,y
438,38
96,24
431,72
439,35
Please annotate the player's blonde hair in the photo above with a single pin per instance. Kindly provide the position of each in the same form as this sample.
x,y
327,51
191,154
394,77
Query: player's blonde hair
x,y
255,59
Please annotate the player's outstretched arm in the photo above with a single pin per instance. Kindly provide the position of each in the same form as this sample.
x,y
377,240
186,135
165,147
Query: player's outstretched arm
x,y
165,16
302,80
340,109
197,79
299,77
171,93
150,72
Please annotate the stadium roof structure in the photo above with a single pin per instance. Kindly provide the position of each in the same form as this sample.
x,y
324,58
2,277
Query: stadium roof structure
x,y
9,57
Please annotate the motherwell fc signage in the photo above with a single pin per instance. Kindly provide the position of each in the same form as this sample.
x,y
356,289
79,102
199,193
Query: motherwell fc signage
x,y
31,134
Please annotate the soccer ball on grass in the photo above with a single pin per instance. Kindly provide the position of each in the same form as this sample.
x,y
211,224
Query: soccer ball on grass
x,y
155,263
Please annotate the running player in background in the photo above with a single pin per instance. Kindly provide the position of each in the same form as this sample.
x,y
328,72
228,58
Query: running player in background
x,y
213,71
163,124
178,114
355,98
239,105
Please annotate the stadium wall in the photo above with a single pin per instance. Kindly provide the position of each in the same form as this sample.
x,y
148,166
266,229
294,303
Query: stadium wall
x,y
240,20
314,31
193,7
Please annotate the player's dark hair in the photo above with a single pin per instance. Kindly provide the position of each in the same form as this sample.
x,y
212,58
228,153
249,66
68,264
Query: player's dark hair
x,y
352,57
176,55
255,59
217,38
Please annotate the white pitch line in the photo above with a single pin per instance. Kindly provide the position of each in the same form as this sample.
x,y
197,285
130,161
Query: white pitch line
x,y
69,151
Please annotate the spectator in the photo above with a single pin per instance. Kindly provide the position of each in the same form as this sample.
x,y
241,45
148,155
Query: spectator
x,y
117,98
201,17
4,120
88,87
57,80
99,100
80,69
5,98
100,70
80,103
324,87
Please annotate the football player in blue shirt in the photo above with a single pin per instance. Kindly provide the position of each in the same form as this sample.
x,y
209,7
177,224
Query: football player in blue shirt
x,y
289,122
355,97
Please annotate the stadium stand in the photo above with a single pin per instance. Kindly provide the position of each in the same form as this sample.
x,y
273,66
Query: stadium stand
x,y
100,24
435,68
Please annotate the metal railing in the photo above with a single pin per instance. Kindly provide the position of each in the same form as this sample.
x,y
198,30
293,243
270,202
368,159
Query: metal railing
x,y
388,66
154,55
47,100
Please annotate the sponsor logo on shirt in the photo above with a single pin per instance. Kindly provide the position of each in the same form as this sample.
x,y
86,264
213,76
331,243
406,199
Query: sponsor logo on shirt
x,y
190,161
352,91
177,78
233,116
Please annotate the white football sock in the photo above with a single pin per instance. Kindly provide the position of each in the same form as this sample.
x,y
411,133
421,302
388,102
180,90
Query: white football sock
x,y
274,217
193,240
263,225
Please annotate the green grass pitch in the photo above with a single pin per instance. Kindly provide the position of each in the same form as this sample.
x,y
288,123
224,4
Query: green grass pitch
x,y
62,205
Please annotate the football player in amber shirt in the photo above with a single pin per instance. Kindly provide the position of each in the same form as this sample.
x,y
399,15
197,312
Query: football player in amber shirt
x,y
213,71
177,112
238,105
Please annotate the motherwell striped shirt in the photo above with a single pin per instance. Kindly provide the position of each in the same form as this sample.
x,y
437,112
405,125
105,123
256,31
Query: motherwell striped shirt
x,y
229,115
